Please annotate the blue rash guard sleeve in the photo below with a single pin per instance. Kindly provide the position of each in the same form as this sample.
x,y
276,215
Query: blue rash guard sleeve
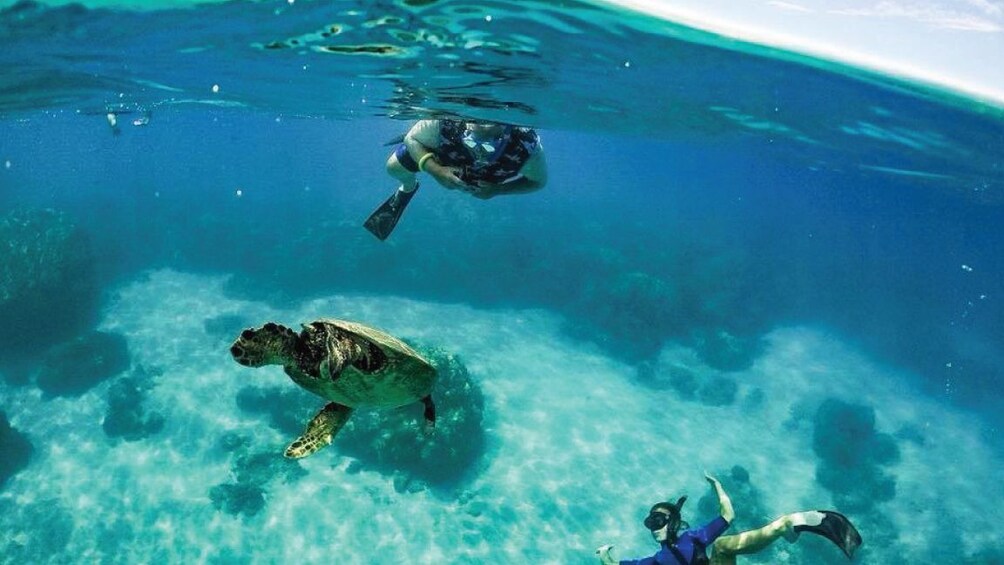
x,y
685,544
710,532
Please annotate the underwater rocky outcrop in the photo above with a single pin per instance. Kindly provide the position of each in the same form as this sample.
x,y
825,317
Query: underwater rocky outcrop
x,y
72,368
635,309
392,441
15,449
726,351
238,498
250,473
695,383
853,454
48,290
126,417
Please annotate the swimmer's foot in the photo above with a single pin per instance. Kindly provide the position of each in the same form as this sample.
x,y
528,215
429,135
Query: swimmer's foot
x,y
831,525
384,219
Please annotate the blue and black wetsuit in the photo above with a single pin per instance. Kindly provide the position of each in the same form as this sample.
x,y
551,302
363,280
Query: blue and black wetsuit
x,y
689,545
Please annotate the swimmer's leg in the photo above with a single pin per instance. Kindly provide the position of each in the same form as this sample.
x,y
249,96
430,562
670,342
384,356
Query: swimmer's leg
x,y
725,548
403,168
384,219
831,525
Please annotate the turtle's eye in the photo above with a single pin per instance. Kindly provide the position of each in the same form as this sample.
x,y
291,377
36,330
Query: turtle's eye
x,y
247,334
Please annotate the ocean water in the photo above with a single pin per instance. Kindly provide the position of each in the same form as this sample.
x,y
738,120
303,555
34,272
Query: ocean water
x,y
749,260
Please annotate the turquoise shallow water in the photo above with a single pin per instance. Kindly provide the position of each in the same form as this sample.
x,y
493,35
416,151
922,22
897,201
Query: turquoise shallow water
x,y
775,268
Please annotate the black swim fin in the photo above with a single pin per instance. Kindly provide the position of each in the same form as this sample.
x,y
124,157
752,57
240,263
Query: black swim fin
x,y
383,220
838,529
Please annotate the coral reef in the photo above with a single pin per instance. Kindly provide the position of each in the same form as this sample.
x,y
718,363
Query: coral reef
x,y
238,498
633,306
852,454
125,417
48,291
72,368
251,472
392,440
725,351
15,450
699,384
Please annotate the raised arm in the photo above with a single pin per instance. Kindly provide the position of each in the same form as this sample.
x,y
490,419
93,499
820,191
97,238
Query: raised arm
x,y
604,553
724,502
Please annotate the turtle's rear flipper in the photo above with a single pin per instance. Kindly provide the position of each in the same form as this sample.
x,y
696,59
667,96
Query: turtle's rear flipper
x,y
320,431
430,413
383,220
834,527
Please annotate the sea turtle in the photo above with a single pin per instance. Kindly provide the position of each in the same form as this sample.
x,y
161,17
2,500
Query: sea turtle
x,y
348,363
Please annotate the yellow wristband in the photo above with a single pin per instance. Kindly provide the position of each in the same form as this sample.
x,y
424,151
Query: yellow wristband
x,y
421,162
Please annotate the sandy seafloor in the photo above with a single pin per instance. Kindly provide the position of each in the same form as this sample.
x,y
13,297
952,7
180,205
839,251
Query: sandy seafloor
x,y
577,448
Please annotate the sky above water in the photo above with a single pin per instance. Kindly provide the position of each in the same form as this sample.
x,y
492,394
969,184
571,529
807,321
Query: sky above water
x,y
953,43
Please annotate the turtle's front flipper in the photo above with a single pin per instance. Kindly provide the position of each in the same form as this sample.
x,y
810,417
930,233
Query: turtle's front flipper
x,y
430,413
320,431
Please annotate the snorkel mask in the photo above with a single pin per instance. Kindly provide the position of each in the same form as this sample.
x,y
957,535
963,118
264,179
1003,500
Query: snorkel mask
x,y
481,147
665,513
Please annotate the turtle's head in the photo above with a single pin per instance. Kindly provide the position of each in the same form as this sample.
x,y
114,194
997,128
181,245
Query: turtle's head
x,y
272,344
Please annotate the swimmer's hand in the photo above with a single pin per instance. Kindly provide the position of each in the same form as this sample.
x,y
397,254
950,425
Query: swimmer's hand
x,y
603,553
446,176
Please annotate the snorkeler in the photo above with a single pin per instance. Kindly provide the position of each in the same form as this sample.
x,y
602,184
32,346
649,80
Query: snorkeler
x,y
689,547
484,159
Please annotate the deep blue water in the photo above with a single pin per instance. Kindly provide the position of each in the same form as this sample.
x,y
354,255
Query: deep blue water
x,y
696,191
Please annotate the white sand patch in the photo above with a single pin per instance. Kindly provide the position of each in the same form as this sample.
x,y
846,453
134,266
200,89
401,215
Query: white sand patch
x,y
578,449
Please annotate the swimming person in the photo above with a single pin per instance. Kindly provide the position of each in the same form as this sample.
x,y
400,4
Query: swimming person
x,y
689,547
484,159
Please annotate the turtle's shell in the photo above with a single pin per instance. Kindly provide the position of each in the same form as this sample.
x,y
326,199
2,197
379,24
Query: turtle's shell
x,y
405,377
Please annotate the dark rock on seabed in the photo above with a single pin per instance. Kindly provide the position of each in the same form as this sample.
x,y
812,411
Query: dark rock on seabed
x,y
48,290
15,450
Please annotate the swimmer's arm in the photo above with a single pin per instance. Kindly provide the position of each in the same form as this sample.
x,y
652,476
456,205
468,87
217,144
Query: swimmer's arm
x,y
532,177
422,138
606,558
724,502
535,170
